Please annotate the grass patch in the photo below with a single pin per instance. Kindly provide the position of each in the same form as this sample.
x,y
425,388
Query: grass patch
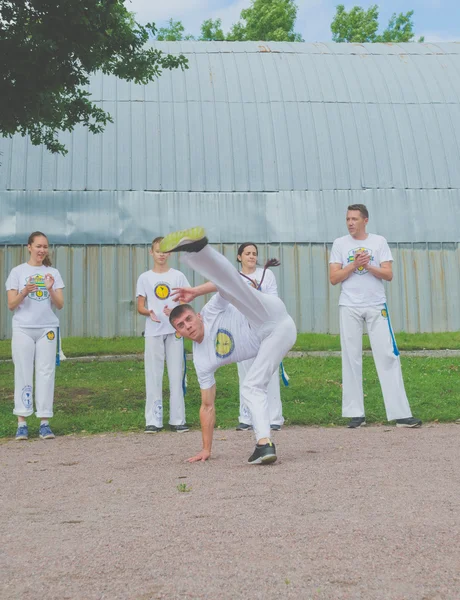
x,y
103,397
74,347
405,341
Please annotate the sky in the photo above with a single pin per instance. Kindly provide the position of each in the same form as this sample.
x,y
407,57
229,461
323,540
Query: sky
x,y
437,20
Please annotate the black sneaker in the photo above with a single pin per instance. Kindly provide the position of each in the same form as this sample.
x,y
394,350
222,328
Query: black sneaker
x,y
409,422
152,429
179,428
357,422
263,455
274,427
244,427
188,240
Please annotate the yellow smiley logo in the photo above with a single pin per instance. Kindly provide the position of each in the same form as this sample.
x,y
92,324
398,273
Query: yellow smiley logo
x,y
224,343
162,291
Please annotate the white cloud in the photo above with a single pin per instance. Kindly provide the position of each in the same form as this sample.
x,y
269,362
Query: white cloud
x,y
182,10
229,14
313,19
438,36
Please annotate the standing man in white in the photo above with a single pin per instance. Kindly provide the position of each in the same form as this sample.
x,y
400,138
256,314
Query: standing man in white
x,y
154,301
361,262
33,289
238,323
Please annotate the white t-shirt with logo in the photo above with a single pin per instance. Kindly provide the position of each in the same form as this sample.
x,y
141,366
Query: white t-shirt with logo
x,y
157,288
361,288
36,310
228,338
269,283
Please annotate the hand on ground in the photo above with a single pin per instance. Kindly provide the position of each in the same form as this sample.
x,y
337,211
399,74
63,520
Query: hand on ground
x,y
201,456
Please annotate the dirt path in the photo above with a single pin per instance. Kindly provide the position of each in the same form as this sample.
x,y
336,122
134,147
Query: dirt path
x,y
291,354
369,514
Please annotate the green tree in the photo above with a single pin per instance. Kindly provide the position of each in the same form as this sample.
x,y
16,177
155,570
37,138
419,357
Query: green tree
x,y
211,31
49,48
359,26
400,29
174,32
267,20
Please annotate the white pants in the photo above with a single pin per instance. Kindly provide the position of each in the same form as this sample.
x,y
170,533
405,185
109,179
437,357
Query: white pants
x,y
156,349
269,320
275,408
388,365
29,347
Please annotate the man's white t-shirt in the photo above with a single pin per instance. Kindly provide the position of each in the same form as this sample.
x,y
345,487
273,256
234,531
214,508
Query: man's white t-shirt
x,y
269,283
35,311
228,338
157,288
361,288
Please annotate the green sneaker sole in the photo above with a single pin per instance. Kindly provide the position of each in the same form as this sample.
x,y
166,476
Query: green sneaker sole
x,y
176,239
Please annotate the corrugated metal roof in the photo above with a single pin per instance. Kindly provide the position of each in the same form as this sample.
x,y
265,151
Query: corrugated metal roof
x,y
262,117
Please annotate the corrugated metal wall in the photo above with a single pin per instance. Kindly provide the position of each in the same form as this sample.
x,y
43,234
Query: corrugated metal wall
x,y
268,142
100,286
277,217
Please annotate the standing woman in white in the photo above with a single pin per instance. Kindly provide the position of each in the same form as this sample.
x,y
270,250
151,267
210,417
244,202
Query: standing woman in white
x,y
266,283
33,289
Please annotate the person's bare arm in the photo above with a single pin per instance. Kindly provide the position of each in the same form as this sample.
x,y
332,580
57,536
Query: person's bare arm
x,y
207,420
142,310
184,295
385,271
57,298
337,273
15,297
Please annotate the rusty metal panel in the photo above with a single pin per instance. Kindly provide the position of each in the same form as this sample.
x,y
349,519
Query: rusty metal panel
x,y
451,265
277,217
100,286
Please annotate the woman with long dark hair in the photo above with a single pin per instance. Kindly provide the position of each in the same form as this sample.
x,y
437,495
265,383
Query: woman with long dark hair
x,y
33,289
264,280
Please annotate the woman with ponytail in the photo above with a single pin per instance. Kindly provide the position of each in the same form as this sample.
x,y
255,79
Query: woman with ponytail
x,y
264,280
33,289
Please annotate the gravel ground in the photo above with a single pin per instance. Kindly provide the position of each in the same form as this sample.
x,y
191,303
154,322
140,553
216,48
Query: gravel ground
x,y
370,514
291,354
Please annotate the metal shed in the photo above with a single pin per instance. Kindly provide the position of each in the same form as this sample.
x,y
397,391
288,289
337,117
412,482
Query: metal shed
x,y
266,142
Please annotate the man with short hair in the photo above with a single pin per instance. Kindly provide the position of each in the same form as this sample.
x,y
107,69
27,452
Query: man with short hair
x,y
238,323
360,262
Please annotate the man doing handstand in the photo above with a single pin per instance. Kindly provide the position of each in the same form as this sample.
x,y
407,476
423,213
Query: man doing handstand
x,y
238,323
